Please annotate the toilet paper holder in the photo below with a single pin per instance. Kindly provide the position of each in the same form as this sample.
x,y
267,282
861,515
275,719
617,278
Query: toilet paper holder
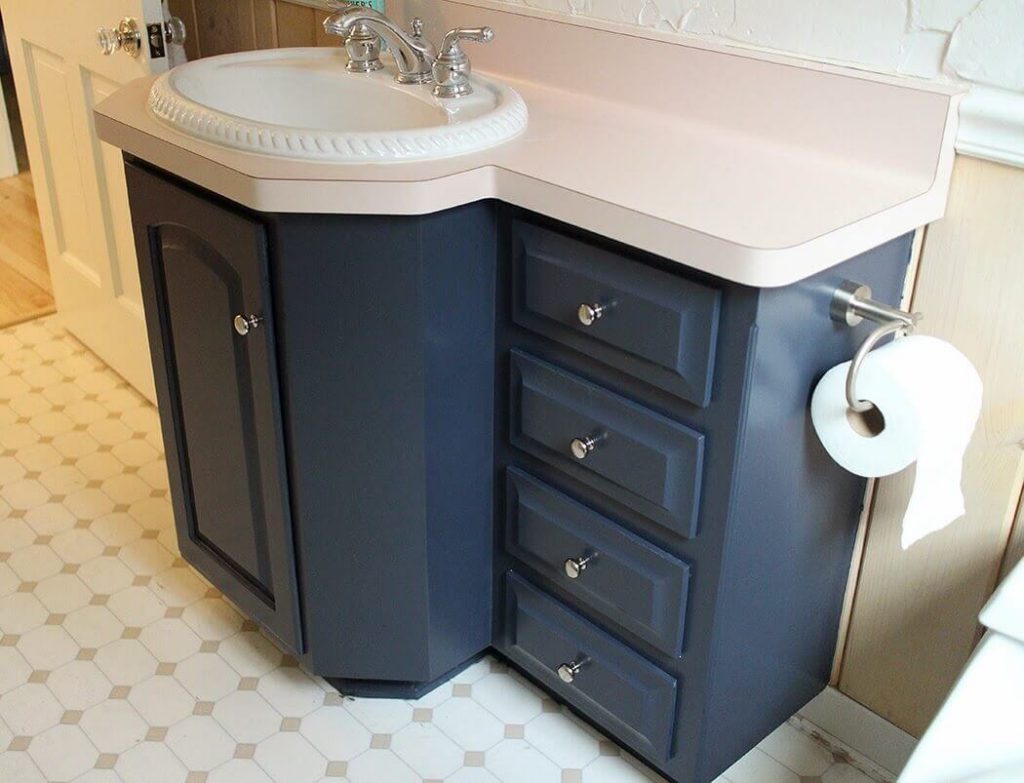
x,y
851,304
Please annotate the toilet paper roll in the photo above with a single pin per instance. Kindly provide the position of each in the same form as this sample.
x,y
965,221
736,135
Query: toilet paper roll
x,y
929,397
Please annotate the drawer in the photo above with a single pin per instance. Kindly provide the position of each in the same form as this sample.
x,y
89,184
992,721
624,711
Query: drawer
x,y
614,685
631,454
653,325
628,580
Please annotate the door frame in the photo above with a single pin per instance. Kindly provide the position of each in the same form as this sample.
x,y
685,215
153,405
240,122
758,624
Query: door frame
x,y
8,157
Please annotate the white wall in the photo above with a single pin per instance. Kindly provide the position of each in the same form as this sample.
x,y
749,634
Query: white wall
x,y
976,41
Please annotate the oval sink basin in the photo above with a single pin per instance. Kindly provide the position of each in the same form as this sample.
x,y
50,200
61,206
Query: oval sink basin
x,y
302,103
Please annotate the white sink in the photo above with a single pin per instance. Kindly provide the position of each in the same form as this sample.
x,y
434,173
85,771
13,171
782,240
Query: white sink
x,y
302,103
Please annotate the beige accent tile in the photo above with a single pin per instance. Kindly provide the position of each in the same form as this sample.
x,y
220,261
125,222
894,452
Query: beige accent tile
x,y
336,769
166,669
156,734
197,777
39,677
291,724
249,626
69,568
99,599
106,761
141,580
174,612
86,654
380,741
150,533
245,750
9,639
20,744
248,683
56,619
111,551
474,758
209,646
333,699
204,708
514,731
131,633
27,587
572,776
420,715
607,748
462,690
547,705
71,717
120,692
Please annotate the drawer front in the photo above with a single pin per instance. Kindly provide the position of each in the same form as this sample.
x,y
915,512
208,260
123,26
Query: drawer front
x,y
631,454
633,583
615,686
655,326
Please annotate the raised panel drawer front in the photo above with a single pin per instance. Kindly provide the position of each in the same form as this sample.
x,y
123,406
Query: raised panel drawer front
x,y
653,325
633,455
613,684
630,581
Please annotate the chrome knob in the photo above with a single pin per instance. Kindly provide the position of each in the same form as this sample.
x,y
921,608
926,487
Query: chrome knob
x,y
590,313
567,671
126,37
245,323
581,447
575,566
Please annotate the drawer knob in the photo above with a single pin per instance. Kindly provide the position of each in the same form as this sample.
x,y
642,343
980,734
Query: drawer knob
x,y
245,323
581,447
567,671
575,566
590,313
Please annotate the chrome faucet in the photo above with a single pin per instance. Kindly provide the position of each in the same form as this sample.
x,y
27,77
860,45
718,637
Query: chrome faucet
x,y
362,28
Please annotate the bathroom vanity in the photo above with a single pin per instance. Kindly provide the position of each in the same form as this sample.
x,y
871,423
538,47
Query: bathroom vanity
x,y
548,399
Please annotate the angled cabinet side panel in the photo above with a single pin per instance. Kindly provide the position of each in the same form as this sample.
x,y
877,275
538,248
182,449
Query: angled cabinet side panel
x,y
200,266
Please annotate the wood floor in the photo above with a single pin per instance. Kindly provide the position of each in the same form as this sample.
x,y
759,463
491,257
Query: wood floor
x,y
25,289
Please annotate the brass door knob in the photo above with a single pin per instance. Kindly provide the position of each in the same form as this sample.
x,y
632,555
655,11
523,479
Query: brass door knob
x,y
125,37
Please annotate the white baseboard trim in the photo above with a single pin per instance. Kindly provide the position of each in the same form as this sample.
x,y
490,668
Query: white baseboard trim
x,y
881,747
992,125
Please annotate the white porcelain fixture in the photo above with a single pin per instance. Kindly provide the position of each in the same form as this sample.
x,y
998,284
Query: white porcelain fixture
x,y
302,103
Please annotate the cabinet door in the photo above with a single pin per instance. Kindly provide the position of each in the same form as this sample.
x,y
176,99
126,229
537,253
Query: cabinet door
x,y
201,266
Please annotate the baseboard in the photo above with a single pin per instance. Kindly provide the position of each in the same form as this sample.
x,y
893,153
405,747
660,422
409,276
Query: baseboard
x,y
883,748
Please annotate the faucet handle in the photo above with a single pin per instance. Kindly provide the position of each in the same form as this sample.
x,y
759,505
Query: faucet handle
x,y
452,67
450,46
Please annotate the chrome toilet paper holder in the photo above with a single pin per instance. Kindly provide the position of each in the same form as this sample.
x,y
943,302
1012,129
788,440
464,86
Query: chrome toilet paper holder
x,y
851,304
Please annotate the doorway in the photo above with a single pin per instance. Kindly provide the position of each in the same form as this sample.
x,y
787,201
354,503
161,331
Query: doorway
x,y
25,288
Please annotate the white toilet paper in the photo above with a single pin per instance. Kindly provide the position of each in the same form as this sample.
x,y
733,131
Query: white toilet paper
x,y
930,397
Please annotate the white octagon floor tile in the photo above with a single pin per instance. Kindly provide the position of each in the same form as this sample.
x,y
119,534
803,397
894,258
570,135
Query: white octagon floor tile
x,y
63,593
150,762
289,758
239,771
113,726
507,698
14,669
207,676
291,692
19,767
200,743
161,701
468,724
30,710
126,662
566,742
427,750
515,760
335,733
79,685
247,717
47,647
63,752
378,765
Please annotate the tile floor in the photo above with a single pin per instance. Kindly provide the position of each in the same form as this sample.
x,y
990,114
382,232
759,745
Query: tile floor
x,y
120,663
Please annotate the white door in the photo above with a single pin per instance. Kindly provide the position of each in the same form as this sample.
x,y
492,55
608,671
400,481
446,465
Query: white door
x,y
60,73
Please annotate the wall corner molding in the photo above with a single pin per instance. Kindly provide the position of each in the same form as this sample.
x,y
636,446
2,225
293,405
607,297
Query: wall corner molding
x,y
992,126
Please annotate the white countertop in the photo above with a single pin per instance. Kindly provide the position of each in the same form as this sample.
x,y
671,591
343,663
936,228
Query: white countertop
x,y
747,167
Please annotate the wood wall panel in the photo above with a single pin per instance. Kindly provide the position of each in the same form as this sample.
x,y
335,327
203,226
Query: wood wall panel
x,y
295,25
224,26
914,621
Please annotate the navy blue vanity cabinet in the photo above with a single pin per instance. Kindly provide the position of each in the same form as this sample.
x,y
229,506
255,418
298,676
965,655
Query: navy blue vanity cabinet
x,y
331,452
674,541
399,442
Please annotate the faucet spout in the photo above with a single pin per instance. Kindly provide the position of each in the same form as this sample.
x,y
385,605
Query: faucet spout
x,y
355,23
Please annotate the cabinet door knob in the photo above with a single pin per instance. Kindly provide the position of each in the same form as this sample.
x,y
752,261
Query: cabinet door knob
x,y
245,323
567,671
581,447
575,566
590,313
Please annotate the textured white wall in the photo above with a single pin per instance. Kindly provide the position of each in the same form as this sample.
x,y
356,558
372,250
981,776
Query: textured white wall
x,y
977,40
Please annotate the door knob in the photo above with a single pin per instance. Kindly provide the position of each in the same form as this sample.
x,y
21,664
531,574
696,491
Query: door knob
x,y
245,323
125,36
567,672
174,31
575,566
